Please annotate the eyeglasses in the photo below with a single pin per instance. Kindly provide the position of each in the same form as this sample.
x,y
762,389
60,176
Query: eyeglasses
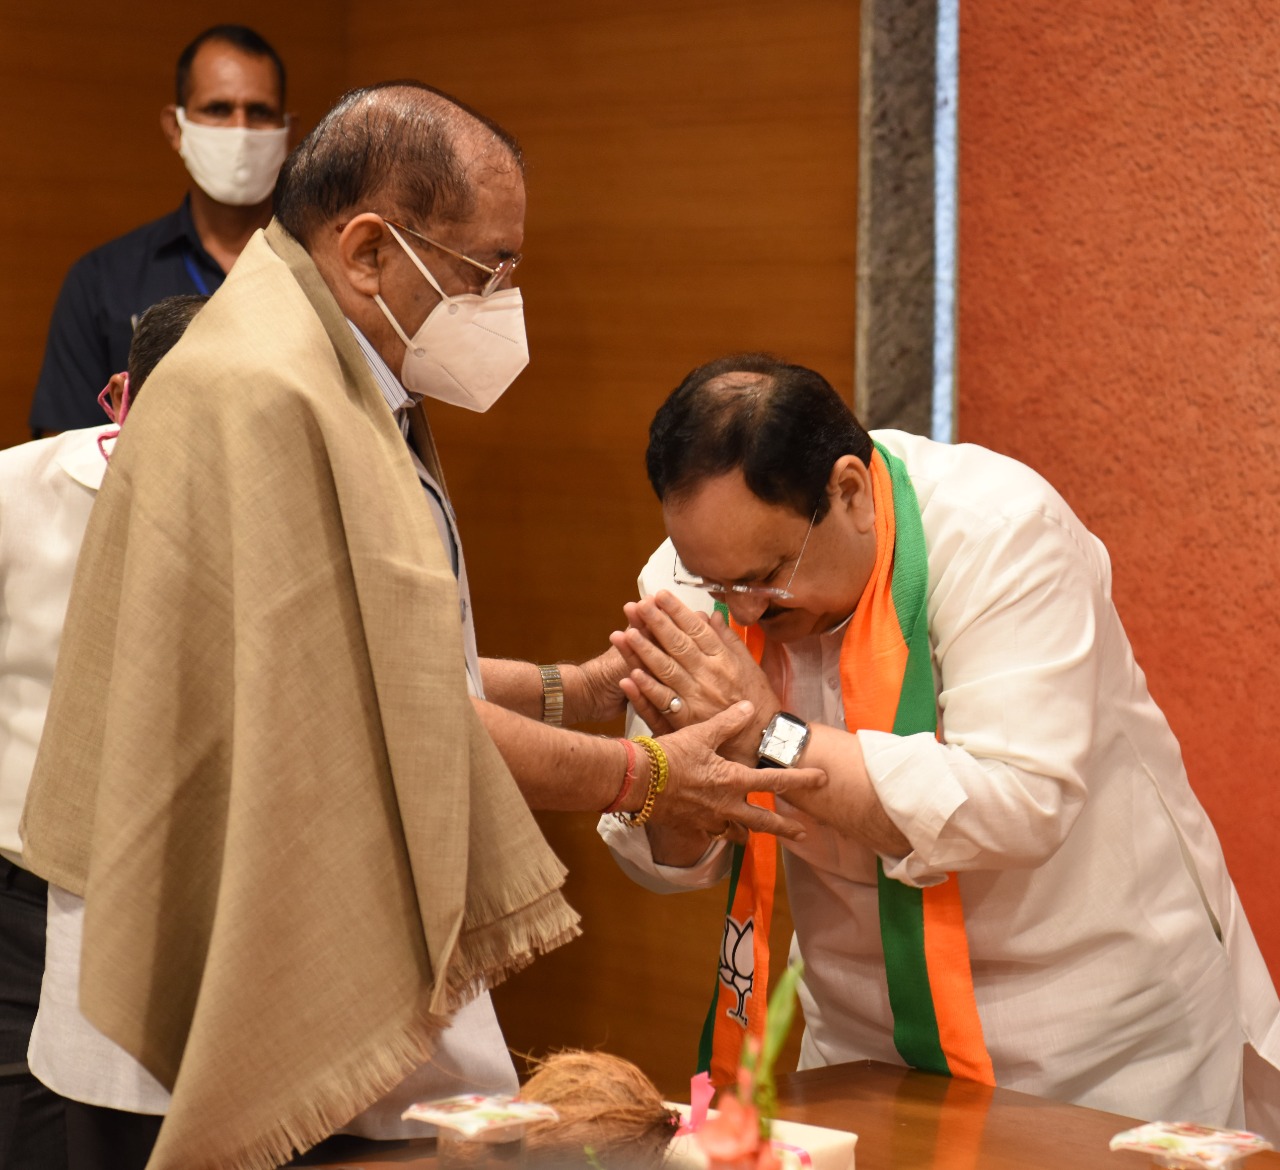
x,y
682,576
496,275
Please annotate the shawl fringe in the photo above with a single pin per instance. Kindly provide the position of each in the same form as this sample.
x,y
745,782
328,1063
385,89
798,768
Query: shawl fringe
x,y
488,954
343,1093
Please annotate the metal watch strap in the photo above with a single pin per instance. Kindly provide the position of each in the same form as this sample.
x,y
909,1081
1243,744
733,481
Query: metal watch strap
x,y
552,695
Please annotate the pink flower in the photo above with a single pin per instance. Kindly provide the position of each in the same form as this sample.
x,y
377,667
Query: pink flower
x,y
732,1140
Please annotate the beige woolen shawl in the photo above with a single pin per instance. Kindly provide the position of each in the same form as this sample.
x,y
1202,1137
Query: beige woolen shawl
x,y
298,847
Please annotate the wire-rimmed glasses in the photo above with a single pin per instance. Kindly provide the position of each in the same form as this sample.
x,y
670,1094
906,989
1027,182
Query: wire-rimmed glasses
x,y
496,275
682,576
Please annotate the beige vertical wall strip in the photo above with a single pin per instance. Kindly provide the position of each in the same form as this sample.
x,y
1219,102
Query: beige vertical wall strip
x,y
895,326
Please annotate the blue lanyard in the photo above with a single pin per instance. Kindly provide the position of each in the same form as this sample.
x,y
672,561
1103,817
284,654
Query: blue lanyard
x,y
192,271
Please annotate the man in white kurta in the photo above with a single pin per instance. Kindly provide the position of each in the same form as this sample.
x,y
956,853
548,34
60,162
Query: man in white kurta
x,y
46,491
1112,962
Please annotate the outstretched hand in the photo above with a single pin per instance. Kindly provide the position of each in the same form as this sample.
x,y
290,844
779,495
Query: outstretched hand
x,y
707,793
599,698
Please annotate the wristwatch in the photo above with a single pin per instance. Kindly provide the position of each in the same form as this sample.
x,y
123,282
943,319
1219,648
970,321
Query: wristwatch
x,y
782,741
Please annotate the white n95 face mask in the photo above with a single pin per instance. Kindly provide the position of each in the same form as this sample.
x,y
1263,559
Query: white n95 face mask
x,y
468,350
232,164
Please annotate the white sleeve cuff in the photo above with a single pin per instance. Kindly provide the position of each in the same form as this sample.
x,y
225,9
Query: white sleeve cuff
x,y
630,848
918,791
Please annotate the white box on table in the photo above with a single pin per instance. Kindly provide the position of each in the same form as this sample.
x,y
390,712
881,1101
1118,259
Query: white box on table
x,y
799,1147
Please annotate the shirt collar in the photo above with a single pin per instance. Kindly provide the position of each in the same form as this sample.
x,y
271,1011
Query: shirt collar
x,y
79,457
400,400
179,230
187,225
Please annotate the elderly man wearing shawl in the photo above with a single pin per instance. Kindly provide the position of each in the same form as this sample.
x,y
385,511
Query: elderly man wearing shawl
x,y
1007,877
283,850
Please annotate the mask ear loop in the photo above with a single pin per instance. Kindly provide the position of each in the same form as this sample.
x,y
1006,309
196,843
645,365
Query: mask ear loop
x,y
102,440
124,409
408,343
416,350
417,260
104,400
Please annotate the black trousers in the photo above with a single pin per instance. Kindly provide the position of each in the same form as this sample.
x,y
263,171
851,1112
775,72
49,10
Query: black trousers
x,y
109,1139
32,1127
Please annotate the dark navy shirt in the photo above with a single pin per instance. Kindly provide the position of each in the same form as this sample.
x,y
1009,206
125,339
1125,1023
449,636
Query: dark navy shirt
x,y
101,299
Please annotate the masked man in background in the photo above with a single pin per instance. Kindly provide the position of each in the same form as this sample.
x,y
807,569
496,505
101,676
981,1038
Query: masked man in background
x,y
229,127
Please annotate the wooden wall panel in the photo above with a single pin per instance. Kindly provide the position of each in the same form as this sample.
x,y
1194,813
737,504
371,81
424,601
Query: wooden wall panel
x,y
692,191
82,85
692,185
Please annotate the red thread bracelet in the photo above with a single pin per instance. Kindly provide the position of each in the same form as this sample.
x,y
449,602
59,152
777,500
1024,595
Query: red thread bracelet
x,y
628,777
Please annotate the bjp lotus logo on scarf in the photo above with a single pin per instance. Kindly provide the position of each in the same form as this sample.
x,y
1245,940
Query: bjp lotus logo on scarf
x,y
738,963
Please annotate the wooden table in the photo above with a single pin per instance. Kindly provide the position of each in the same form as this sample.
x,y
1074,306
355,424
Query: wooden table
x,y
905,1121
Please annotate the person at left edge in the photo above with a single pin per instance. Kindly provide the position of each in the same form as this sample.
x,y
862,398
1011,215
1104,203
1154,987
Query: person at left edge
x,y
229,126
47,489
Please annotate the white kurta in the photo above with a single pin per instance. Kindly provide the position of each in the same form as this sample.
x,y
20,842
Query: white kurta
x,y
46,491
1094,887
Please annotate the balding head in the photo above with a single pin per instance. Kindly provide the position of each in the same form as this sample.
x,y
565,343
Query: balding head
x,y
402,149
781,425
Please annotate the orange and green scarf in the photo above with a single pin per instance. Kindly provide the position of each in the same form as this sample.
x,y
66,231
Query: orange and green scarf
x,y
886,682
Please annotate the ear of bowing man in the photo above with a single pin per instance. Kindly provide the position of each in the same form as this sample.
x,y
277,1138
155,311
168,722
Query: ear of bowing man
x,y
675,651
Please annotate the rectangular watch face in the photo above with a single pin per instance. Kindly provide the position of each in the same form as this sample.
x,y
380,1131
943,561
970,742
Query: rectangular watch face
x,y
784,740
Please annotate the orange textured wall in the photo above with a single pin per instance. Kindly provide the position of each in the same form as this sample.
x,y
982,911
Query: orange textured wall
x,y
1119,330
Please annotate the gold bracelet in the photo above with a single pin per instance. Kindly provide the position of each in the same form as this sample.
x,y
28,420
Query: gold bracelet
x,y
659,771
552,695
